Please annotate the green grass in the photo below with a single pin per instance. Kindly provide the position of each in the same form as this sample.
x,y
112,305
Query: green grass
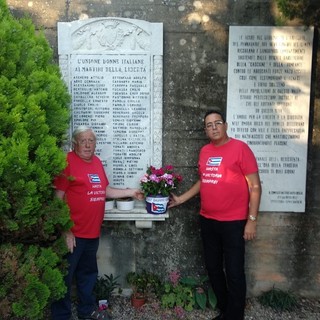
x,y
279,300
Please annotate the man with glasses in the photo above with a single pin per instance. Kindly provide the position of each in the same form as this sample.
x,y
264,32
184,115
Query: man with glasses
x,y
230,192
84,186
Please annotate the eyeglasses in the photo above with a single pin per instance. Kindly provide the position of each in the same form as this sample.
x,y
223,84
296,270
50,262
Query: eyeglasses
x,y
215,124
86,141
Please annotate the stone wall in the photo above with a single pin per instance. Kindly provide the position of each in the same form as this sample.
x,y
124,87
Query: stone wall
x,y
286,251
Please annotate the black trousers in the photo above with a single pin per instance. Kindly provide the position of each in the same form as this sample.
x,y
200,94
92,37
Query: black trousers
x,y
224,250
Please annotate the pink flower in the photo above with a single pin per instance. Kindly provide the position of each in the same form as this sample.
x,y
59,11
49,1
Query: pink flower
x,y
179,312
174,277
168,168
145,178
159,172
154,177
168,176
200,290
103,307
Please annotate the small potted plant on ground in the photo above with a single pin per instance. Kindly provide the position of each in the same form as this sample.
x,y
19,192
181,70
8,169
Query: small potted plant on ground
x,y
104,288
143,285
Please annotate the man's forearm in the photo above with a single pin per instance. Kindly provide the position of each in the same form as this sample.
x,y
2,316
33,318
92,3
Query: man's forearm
x,y
193,191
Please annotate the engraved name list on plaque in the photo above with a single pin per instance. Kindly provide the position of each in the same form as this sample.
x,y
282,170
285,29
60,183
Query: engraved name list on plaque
x,y
113,69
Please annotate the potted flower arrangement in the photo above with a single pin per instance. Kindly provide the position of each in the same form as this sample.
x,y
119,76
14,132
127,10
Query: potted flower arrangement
x,y
157,184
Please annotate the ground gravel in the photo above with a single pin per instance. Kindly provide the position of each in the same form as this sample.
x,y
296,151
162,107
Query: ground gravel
x,y
121,309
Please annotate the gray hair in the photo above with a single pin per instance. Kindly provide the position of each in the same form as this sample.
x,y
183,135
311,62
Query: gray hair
x,y
80,130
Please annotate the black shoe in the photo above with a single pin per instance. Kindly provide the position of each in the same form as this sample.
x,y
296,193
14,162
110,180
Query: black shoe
x,y
219,317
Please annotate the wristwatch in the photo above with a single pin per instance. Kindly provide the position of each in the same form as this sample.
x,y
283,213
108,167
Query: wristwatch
x,y
252,218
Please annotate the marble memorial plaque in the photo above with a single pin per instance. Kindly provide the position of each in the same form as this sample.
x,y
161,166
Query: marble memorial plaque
x,y
113,68
269,77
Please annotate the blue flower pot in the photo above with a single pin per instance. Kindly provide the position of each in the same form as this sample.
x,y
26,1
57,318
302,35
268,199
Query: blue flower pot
x,y
157,204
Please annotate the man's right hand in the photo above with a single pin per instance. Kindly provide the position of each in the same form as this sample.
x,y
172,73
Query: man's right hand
x,y
70,240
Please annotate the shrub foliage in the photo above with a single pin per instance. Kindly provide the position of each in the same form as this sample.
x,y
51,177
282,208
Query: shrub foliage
x,y
34,117
308,11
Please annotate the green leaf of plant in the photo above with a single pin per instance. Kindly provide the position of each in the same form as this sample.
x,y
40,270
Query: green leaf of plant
x,y
212,298
201,299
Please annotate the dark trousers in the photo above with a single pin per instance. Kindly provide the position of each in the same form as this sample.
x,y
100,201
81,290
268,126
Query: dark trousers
x,y
224,250
84,270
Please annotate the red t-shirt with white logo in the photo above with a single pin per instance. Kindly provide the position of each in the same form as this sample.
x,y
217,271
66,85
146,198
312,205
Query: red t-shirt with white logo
x,y
84,184
224,190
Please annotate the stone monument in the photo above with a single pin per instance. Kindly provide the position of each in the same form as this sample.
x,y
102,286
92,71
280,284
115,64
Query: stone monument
x,y
269,80
113,69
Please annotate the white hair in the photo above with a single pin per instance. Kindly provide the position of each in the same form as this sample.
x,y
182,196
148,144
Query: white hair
x,y
80,130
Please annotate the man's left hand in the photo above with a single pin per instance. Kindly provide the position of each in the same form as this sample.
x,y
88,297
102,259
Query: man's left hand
x,y
250,230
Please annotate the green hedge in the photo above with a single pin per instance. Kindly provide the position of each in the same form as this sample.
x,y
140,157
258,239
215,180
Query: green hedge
x,y
34,118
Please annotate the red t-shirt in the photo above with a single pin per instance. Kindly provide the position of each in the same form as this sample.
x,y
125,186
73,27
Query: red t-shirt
x,y
84,184
224,190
